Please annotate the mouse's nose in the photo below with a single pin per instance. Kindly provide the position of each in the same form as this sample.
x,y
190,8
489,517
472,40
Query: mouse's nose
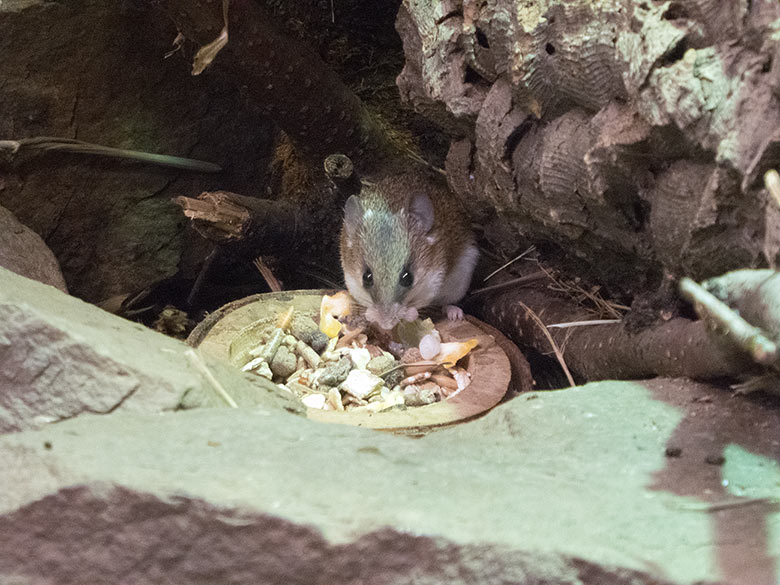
x,y
382,315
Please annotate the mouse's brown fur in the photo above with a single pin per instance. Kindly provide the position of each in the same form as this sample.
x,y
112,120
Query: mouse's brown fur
x,y
404,223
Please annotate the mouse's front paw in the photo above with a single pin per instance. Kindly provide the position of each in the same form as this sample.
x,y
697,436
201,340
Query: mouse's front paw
x,y
454,313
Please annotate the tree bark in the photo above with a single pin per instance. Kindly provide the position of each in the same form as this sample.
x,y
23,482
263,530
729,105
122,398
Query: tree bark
x,y
631,135
303,96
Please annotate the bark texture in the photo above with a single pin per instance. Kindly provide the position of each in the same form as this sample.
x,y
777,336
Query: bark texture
x,y
632,134
292,86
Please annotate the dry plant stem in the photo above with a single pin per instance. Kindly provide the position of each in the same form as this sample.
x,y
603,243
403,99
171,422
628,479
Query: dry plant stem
x,y
751,339
51,144
678,347
268,276
515,282
206,55
580,294
410,364
555,348
197,361
754,294
583,323
292,85
201,278
512,261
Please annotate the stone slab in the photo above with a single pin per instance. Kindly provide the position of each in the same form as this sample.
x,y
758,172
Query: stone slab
x,y
24,252
61,357
664,481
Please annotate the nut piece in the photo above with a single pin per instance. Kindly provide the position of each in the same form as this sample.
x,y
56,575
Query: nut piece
x,y
260,367
360,357
268,351
334,399
430,346
314,400
416,379
362,383
420,395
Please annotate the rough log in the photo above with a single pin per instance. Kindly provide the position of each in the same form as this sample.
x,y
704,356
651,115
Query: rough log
x,y
632,135
677,347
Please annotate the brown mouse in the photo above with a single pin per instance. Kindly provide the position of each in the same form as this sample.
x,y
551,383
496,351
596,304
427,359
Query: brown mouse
x,y
406,244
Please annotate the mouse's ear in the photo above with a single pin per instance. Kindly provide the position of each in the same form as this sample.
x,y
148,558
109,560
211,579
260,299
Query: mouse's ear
x,y
353,215
421,212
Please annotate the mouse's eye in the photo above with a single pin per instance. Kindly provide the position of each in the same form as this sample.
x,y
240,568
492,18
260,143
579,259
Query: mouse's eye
x,y
407,278
368,278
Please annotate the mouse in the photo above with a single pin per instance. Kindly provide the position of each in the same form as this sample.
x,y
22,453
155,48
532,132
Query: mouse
x,y
406,244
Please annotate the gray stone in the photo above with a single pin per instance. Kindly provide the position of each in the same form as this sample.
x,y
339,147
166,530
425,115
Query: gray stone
x,y
319,341
568,487
284,362
380,363
336,372
303,328
24,252
60,357
663,481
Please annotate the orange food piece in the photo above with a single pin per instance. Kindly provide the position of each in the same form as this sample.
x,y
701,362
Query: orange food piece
x,y
332,307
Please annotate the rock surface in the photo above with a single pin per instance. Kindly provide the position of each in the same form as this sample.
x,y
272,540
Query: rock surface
x,y
99,74
24,252
568,487
261,498
665,481
60,357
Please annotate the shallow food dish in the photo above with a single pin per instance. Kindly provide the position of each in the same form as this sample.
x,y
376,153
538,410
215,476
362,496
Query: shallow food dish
x,y
487,363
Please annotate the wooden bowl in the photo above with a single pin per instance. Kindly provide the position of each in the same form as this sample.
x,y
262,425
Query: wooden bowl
x,y
487,363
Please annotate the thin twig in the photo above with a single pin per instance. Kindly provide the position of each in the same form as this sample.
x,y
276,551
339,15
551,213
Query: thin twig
x,y
268,276
399,366
528,278
48,143
751,339
416,157
725,504
512,261
202,274
583,323
556,349
197,361
579,294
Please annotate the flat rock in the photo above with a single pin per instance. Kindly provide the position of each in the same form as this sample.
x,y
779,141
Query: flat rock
x,y
61,357
658,482
24,252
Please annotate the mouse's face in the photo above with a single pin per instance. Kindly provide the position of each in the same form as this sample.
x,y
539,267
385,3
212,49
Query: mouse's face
x,y
386,257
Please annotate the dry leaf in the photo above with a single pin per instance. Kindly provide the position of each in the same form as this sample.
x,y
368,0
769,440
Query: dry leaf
x,y
452,351
338,305
205,56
